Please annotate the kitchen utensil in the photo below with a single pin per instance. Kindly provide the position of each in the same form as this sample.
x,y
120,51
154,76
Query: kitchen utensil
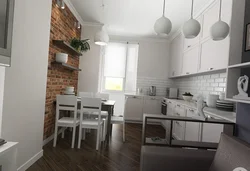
x,y
212,99
152,91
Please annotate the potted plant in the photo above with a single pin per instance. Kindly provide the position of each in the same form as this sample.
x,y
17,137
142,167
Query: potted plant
x,y
80,45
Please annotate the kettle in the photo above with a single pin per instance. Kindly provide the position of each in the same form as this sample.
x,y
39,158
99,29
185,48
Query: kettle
x,y
152,91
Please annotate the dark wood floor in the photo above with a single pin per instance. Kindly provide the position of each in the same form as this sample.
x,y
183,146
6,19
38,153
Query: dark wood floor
x,y
118,156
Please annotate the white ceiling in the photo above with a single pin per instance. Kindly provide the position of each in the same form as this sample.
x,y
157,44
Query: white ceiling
x,y
135,17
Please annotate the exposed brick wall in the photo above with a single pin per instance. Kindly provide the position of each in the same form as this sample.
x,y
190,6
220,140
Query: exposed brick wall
x,y
62,28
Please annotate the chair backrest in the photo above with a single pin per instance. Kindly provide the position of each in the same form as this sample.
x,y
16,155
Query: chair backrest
x,y
66,102
102,96
92,106
86,94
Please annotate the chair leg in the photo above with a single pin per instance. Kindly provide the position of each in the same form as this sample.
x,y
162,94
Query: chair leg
x,y
55,136
123,129
73,137
80,136
83,134
98,139
63,133
104,132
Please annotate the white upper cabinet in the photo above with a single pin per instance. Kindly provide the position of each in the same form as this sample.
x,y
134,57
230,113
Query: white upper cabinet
x,y
210,17
176,52
189,43
214,55
202,54
190,61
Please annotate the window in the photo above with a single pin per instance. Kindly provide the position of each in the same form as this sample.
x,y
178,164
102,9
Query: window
x,y
120,67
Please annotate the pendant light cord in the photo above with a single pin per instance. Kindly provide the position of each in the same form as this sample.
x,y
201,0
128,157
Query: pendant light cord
x,y
192,10
220,10
164,8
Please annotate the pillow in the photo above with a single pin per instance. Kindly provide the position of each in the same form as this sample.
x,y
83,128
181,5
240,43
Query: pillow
x,y
231,153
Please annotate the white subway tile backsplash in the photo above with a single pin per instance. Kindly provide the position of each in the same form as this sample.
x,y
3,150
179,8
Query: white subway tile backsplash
x,y
161,85
219,80
205,84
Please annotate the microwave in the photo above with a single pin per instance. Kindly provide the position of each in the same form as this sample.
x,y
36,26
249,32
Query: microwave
x,y
172,93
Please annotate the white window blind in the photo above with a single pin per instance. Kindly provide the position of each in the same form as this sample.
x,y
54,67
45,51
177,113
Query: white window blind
x,y
120,67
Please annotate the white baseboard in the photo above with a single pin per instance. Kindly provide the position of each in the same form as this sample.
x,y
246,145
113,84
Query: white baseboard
x,y
31,161
46,141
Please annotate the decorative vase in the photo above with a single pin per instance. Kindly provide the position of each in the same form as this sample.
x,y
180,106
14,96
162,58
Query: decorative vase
x,y
62,57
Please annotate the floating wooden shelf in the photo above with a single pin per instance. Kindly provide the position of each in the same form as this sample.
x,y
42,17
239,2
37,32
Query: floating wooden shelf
x,y
241,65
66,46
67,66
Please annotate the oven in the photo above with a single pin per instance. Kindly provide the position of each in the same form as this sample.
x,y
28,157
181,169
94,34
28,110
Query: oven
x,y
164,107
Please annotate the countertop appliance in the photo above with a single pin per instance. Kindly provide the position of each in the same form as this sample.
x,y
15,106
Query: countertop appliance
x,y
164,107
152,91
172,93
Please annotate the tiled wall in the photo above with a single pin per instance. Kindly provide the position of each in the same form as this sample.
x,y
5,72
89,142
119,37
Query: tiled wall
x,y
161,85
205,84
62,28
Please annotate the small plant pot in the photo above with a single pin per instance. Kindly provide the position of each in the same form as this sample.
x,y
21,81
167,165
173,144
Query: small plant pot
x,y
62,57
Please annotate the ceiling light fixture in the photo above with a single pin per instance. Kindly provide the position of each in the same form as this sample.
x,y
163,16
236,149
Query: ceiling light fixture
x,y
192,27
220,29
102,37
163,25
62,5
78,25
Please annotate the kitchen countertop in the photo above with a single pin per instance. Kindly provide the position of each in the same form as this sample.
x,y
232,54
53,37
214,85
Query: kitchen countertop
x,y
229,116
142,95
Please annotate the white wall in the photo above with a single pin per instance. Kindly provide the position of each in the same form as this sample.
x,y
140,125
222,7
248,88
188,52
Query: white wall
x,y
153,59
25,80
88,78
153,56
2,78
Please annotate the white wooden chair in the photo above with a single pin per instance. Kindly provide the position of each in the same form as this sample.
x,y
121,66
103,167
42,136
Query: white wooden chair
x,y
66,103
93,107
104,96
119,120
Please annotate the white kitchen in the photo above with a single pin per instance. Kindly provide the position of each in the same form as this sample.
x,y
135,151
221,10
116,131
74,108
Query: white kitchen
x,y
171,73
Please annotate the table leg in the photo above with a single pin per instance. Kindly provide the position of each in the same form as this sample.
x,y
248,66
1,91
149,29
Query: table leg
x,y
110,113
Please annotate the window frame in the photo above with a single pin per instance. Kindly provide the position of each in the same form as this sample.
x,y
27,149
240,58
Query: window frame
x,y
125,77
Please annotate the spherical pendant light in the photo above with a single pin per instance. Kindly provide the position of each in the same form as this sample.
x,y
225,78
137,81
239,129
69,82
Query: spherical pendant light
x,y
101,38
220,29
192,27
163,25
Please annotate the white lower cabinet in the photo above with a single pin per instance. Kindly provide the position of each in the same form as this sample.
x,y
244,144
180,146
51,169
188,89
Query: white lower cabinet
x,y
152,105
211,132
178,126
136,106
193,130
133,108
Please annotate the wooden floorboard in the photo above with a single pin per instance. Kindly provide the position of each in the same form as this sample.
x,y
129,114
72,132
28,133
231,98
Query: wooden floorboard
x,y
117,156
